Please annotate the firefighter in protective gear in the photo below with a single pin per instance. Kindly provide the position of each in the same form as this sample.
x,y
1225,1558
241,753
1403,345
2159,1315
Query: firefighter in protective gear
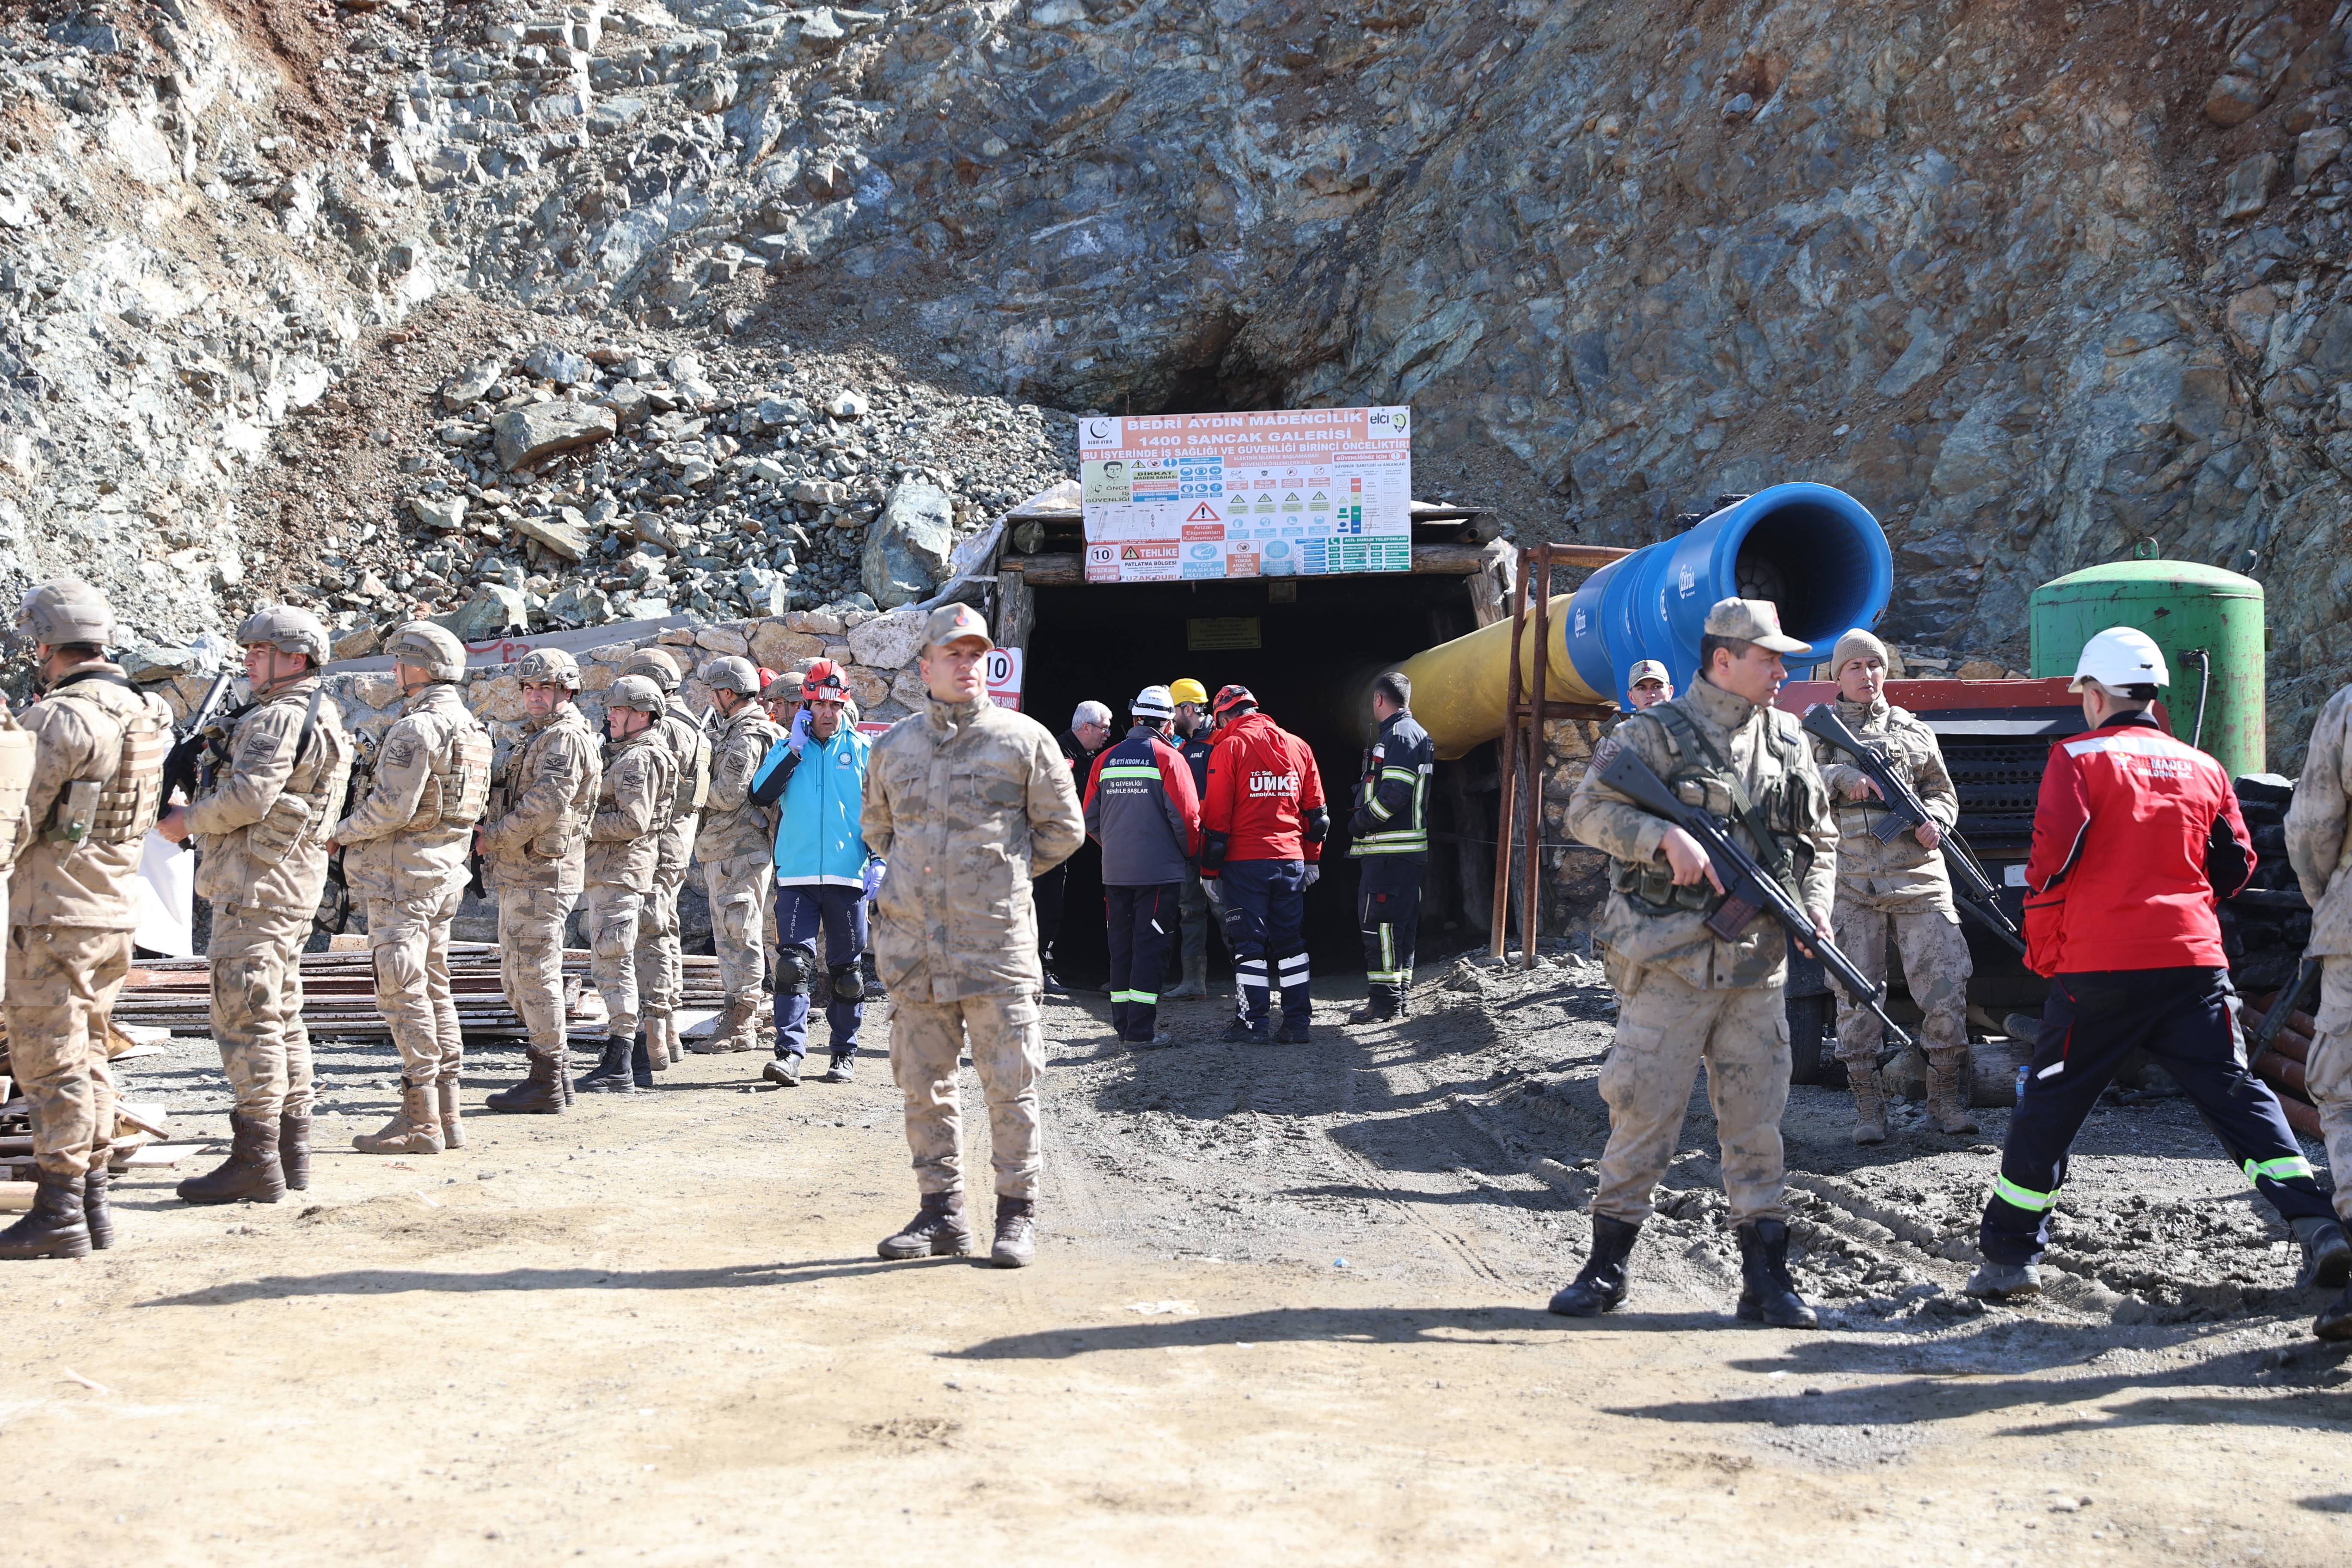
x,y
661,955
1684,994
534,847
2318,831
404,856
1191,741
634,801
1389,834
816,777
735,847
1900,885
969,800
1262,823
1140,809
262,820
73,855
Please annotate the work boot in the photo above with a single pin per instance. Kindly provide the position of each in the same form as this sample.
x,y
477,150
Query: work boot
x,y
453,1130
737,1029
642,1052
1379,1009
294,1150
414,1128
1238,1034
1947,1091
2004,1281
674,1038
54,1225
1766,1294
2326,1254
784,1072
95,1215
1600,1285
938,1230
251,1174
611,1074
1291,1035
1195,982
843,1068
540,1093
1054,986
2334,1320
1016,1234
1869,1101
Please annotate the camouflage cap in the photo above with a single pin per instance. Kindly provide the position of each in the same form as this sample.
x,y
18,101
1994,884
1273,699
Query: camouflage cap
x,y
1752,620
65,611
1649,669
953,622
656,664
549,666
637,692
734,673
285,628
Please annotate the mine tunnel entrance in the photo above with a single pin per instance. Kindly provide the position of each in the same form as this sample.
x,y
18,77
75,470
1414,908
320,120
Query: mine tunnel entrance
x,y
1320,641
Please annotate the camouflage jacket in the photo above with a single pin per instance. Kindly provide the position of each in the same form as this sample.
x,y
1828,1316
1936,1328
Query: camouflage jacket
x,y
2316,838
689,751
733,822
1646,922
409,837
1902,876
968,801
96,730
263,824
540,837
634,801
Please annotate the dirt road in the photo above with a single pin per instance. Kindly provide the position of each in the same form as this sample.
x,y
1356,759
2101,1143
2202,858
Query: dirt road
x,y
1289,1308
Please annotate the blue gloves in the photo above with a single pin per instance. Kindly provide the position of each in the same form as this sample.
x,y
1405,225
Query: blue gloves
x,y
874,870
799,737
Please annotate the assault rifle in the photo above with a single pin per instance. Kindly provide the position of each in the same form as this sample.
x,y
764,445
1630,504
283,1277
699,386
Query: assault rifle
x,y
182,762
2292,999
1903,810
1748,889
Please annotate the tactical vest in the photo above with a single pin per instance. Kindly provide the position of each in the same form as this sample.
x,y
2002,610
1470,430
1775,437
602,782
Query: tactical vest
x,y
571,830
1703,778
122,809
313,797
459,790
693,767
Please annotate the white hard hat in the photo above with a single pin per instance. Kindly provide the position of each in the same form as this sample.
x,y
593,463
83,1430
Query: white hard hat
x,y
2120,659
1153,702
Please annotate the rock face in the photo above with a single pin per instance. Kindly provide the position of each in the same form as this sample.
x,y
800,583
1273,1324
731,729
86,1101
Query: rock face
x,y
908,547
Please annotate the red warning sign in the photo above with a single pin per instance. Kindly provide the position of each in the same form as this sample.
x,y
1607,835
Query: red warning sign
x,y
1204,512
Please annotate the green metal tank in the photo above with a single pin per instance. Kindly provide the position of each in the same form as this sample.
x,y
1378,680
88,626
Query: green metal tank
x,y
2209,623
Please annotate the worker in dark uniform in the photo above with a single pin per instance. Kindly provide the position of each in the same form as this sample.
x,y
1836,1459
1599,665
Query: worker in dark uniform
x,y
1191,741
1089,733
1140,809
1389,834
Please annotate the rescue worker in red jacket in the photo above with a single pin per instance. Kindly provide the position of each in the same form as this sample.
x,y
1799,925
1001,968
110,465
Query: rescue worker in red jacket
x,y
2135,837
1262,829
1141,808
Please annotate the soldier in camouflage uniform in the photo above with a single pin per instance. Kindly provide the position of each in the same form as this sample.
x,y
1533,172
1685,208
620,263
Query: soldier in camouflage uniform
x,y
2319,847
406,850
1902,885
535,844
97,778
634,801
262,823
1684,994
661,956
968,801
736,848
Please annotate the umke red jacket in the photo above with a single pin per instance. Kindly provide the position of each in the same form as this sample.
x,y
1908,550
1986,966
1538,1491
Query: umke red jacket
x,y
1265,797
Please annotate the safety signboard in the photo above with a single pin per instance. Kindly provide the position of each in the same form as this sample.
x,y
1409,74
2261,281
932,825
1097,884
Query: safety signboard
x,y
1292,492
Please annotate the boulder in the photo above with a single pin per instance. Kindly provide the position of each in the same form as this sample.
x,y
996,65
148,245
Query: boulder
x,y
528,435
2233,100
2248,189
565,540
469,384
889,642
846,406
722,641
908,547
442,515
870,687
560,365
494,611
778,649
581,604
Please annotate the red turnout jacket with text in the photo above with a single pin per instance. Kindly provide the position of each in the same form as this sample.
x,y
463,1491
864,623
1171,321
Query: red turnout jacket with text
x,y
2135,837
1264,800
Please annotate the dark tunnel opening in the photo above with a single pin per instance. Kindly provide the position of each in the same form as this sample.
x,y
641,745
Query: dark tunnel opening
x,y
1312,673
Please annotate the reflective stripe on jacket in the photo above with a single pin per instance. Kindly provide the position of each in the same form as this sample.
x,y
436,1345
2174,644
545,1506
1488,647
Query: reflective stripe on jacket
x,y
1393,798
1141,810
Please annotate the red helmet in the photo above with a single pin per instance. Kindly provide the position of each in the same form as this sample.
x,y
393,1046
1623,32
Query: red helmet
x,y
1231,697
824,683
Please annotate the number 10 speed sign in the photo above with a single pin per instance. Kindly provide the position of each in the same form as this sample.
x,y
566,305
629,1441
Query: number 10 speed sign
x,y
1004,677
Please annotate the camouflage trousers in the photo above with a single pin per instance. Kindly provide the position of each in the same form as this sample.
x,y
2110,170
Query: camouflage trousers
x,y
610,915
62,982
660,955
1935,971
257,974
1008,1045
2328,1077
530,960
1665,1028
409,939
737,888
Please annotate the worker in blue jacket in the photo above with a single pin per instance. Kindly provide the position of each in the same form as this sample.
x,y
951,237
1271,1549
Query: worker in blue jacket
x,y
824,873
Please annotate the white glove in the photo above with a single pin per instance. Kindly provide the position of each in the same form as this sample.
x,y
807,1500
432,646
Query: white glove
x,y
1314,875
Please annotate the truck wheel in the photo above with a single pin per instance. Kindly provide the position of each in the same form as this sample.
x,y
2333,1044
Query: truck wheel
x,y
1809,1031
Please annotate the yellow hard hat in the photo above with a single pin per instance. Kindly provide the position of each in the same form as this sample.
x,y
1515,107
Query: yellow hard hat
x,y
1188,691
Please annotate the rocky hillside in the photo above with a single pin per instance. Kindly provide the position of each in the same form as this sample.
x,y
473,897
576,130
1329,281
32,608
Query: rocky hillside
x,y
2036,281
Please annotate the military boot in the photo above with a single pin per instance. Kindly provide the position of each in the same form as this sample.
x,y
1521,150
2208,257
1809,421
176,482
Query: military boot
x,y
1016,1234
251,1174
2326,1254
414,1128
453,1130
611,1074
1766,1294
1600,1285
642,1052
562,1055
1947,1091
674,1038
1869,1101
2334,1320
95,1215
539,1093
736,1030
938,1230
294,1150
54,1226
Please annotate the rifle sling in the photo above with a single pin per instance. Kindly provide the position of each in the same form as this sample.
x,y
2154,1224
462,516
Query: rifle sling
x,y
1769,848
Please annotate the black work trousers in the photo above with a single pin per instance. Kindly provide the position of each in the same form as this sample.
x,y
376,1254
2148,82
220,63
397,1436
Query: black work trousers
x,y
1142,924
2188,1020
1388,911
